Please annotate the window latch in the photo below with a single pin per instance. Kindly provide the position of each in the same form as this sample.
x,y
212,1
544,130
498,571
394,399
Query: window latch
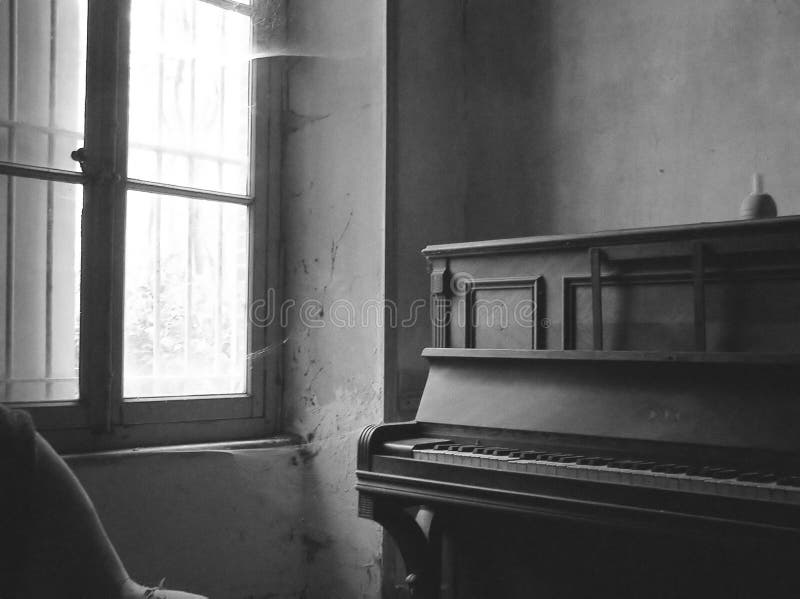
x,y
93,172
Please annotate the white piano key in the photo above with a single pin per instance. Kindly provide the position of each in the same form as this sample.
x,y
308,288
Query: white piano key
x,y
615,475
422,454
641,478
793,496
538,467
658,480
579,471
516,465
466,459
748,490
462,458
671,481
503,461
442,457
596,473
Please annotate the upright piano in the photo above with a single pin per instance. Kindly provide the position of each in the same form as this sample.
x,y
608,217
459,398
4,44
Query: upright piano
x,y
638,382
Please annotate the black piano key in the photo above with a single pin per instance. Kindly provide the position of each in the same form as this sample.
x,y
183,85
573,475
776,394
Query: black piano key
x,y
532,455
675,469
725,473
687,470
710,471
486,450
543,456
553,457
621,464
445,446
757,477
789,481
641,465
594,461
664,468
568,459
502,451
467,448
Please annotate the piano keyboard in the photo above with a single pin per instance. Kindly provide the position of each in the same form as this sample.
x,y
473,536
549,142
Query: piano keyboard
x,y
676,477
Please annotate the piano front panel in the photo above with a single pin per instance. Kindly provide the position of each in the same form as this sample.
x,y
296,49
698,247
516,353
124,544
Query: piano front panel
x,y
754,406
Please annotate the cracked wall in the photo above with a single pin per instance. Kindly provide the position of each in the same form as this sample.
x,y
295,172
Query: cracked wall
x,y
332,228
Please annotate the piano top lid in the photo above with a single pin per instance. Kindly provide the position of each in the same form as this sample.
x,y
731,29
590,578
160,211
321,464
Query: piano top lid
x,y
694,357
732,228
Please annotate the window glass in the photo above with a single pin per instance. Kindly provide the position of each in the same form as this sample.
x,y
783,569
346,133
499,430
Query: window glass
x,y
42,75
186,278
39,294
189,95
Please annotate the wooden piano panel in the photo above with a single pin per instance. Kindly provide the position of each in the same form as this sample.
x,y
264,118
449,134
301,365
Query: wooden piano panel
x,y
503,313
757,313
717,287
725,404
651,316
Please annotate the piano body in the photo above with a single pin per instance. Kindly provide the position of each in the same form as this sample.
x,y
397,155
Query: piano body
x,y
639,382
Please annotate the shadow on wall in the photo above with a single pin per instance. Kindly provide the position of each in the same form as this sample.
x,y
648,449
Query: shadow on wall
x,y
509,76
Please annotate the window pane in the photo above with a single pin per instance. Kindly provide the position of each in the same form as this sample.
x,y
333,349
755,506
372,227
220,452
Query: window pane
x,y
189,95
186,277
42,75
40,257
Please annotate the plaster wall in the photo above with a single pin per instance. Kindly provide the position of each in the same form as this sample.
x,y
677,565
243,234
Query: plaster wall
x,y
596,115
333,208
226,524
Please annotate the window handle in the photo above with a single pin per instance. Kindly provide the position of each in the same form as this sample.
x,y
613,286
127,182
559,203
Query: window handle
x,y
78,155
93,172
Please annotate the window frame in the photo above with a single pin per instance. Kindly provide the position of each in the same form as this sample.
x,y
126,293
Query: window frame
x,y
101,418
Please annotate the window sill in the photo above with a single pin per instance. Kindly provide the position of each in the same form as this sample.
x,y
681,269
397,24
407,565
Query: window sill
x,y
224,447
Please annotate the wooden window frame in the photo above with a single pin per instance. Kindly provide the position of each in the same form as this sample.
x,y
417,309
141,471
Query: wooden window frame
x,y
101,418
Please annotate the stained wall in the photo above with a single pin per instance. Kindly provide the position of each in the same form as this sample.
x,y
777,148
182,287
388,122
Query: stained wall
x,y
333,232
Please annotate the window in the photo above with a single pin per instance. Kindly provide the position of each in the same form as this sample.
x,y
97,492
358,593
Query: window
x,y
128,271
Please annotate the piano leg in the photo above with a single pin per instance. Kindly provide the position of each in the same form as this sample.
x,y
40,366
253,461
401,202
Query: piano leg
x,y
447,567
411,539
